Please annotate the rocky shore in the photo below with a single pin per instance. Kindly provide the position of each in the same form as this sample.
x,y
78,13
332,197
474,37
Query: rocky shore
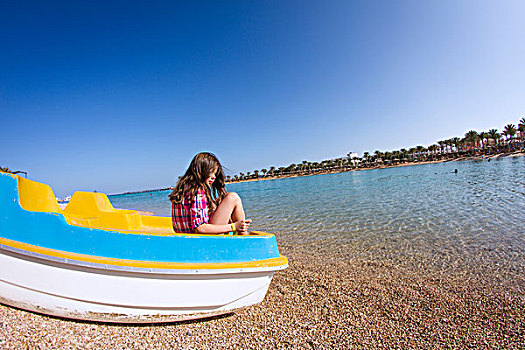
x,y
329,298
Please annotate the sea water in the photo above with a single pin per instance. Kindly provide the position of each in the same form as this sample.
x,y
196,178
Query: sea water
x,y
428,210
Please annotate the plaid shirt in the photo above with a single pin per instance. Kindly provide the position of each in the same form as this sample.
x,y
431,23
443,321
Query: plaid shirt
x,y
190,214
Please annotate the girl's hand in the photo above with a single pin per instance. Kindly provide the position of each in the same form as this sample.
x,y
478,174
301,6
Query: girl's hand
x,y
241,226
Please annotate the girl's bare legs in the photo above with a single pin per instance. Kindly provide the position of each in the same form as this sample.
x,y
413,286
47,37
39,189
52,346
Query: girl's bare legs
x,y
229,208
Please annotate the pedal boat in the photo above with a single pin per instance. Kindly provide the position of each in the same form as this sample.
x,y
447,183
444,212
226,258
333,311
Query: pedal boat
x,y
93,262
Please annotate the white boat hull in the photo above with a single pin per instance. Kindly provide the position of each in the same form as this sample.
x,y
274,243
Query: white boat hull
x,y
98,293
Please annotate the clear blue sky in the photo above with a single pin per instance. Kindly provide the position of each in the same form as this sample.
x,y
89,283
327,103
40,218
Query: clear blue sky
x,y
119,95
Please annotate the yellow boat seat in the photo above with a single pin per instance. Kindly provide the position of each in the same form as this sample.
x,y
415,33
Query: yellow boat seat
x,y
39,197
89,209
91,203
36,196
105,216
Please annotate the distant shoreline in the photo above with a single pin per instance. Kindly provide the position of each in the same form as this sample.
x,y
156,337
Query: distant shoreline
x,y
464,158
143,191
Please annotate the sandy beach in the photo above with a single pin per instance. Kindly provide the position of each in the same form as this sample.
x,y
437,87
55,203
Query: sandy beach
x,y
329,298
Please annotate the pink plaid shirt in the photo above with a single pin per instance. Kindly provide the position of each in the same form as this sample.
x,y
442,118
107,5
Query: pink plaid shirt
x,y
191,213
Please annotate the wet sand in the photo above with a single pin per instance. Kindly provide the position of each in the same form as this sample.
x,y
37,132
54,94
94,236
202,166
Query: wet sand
x,y
331,297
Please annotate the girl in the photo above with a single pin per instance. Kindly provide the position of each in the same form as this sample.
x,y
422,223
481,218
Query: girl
x,y
200,203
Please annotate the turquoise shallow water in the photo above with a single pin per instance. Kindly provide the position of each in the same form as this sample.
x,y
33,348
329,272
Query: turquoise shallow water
x,y
423,210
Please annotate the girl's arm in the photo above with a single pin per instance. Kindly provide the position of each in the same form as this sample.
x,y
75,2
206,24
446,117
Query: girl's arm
x,y
213,229
241,227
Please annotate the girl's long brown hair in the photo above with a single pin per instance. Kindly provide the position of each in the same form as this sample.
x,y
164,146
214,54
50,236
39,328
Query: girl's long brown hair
x,y
201,167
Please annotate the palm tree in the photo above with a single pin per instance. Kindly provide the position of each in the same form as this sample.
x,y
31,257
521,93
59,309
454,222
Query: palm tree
x,y
460,145
396,155
495,135
425,153
264,171
366,155
404,154
484,136
272,170
303,167
412,153
521,128
241,176
256,173
456,141
442,145
433,149
388,157
510,130
472,138
449,146
378,156
419,149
